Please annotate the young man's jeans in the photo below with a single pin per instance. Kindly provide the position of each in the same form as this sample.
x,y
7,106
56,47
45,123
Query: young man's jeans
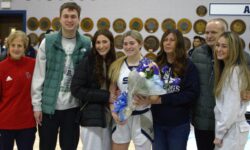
x,y
24,139
171,138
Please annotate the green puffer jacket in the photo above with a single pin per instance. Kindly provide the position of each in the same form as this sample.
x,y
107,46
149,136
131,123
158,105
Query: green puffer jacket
x,y
203,110
55,61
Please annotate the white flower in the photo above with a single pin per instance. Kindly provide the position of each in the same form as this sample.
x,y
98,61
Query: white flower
x,y
142,74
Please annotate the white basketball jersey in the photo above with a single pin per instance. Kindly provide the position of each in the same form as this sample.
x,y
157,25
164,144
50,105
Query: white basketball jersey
x,y
122,82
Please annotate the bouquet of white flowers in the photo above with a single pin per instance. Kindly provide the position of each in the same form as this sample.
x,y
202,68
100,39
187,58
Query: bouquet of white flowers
x,y
145,80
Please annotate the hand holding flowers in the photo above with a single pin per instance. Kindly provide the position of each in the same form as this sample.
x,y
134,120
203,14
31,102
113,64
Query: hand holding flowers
x,y
144,81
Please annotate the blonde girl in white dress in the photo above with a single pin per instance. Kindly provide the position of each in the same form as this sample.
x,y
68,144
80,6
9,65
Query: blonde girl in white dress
x,y
231,77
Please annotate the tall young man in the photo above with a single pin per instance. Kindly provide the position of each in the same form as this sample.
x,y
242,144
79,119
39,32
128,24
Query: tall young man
x,y
53,105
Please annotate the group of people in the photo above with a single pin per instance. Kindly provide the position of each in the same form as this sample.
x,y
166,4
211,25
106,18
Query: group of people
x,y
213,61
74,83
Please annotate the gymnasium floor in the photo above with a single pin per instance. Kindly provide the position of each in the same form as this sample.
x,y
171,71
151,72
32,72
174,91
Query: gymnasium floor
x,y
191,143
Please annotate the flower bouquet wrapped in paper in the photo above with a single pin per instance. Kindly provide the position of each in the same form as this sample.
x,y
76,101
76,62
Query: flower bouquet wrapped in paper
x,y
145,80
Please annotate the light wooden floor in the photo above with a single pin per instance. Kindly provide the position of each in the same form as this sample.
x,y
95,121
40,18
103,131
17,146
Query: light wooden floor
x,y
191,143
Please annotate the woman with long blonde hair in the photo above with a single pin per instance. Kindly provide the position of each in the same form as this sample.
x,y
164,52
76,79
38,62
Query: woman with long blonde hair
x,y
231,77
139,126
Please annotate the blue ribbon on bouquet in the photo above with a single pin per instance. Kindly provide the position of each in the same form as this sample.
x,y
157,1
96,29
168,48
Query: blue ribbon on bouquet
x,y
120,104
147,69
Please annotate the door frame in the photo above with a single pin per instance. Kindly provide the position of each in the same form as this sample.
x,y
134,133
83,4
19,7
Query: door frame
x,y
22,13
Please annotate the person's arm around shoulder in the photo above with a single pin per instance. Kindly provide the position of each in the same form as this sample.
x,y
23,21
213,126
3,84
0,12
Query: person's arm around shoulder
x,y
38,81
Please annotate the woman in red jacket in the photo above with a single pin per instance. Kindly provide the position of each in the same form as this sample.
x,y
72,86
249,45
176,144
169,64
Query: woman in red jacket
x,y
17,122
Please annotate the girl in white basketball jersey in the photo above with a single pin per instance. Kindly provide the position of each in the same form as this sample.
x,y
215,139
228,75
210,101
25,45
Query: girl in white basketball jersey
x,y
138,127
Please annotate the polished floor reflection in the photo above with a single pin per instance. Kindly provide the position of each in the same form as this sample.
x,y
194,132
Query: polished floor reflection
x,y
191,143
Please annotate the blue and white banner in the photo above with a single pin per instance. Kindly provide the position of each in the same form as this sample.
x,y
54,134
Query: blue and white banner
x,y
229,9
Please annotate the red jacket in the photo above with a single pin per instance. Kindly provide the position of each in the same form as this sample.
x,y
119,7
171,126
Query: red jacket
x,y
15,98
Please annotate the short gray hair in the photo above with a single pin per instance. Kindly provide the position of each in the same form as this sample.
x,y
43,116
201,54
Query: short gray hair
x,y
222,22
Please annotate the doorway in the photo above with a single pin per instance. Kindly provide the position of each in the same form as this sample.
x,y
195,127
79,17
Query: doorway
x,y
11,19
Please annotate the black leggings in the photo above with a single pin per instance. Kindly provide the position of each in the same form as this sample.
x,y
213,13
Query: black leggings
x,y
63,121
24,138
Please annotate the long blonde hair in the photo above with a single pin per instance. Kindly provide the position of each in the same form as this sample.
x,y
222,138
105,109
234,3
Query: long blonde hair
x,y
114,69
236,57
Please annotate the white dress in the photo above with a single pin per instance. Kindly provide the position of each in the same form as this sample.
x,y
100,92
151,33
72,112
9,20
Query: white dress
x,y
231,125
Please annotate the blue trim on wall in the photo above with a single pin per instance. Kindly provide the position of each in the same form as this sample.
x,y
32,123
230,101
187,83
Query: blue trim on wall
x,y
22,13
